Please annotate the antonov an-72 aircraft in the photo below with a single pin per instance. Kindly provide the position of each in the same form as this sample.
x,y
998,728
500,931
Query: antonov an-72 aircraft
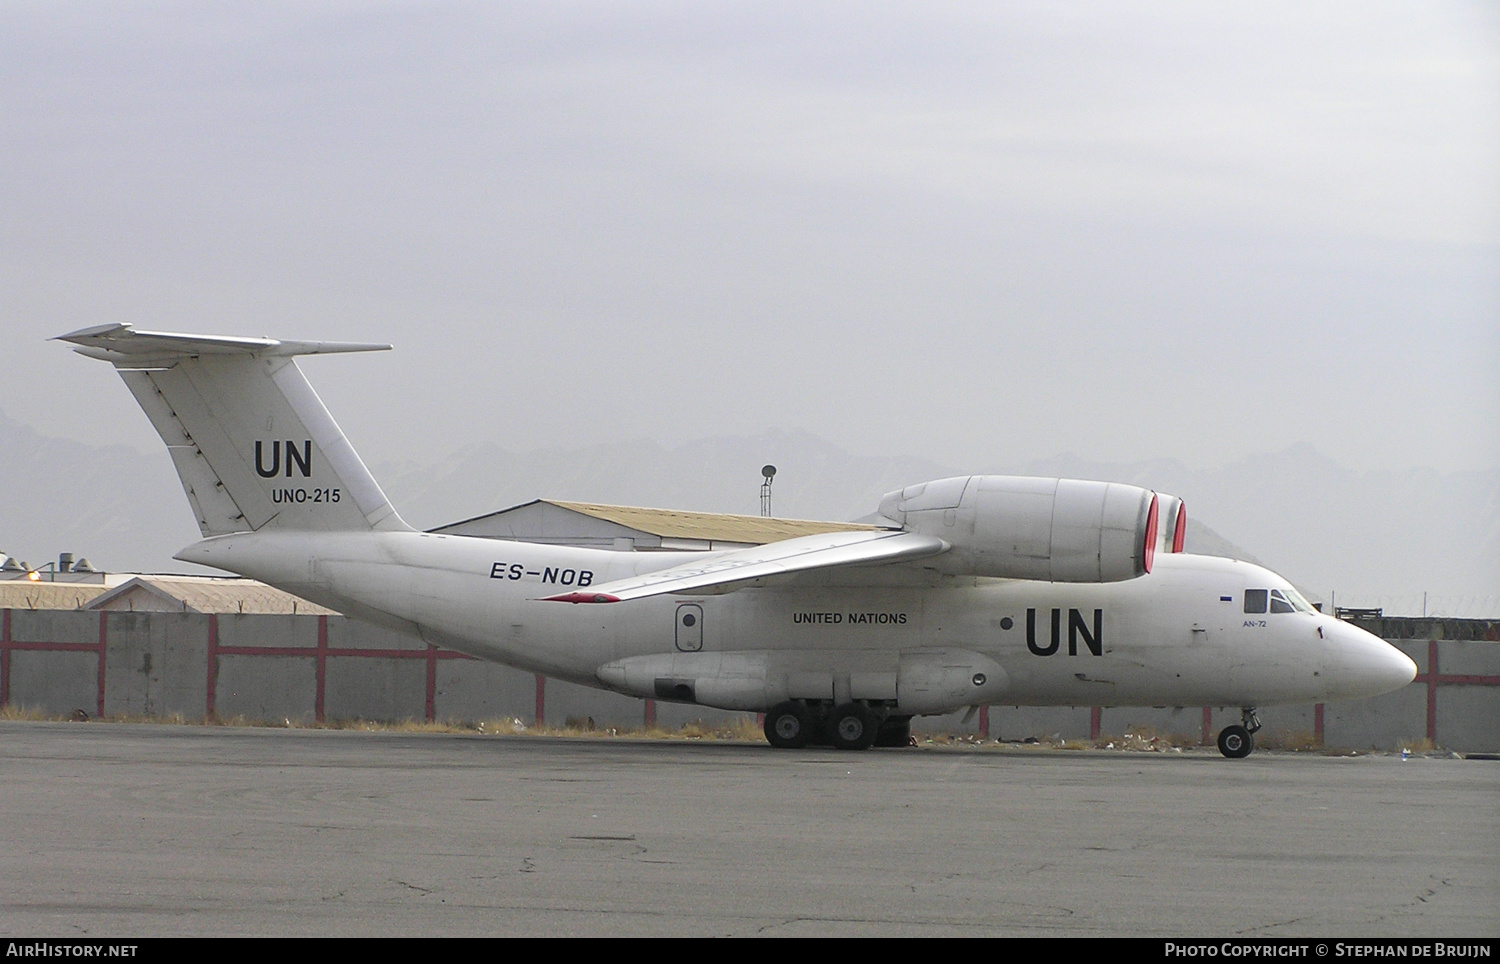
x,y
973,590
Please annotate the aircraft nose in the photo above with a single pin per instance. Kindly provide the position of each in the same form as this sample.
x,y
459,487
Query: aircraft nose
x,y
1370,666
1388,667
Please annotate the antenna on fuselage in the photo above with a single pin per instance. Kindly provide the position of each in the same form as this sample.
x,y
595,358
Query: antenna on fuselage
x,y
768,472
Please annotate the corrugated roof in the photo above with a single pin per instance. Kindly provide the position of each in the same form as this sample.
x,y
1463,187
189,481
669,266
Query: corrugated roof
x,y
210,594
711,526
24,594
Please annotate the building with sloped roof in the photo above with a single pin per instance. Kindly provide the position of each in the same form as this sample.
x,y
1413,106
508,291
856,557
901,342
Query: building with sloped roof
x,y
24,594
201,594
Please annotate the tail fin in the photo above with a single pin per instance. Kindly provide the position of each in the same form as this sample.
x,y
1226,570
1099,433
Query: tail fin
x,y
252,442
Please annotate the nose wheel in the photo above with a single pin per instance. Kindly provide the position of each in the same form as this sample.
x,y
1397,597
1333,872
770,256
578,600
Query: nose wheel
x,y
1236,742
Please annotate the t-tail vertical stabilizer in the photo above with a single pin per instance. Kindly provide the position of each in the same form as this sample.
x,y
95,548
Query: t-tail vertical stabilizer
x,y
254,446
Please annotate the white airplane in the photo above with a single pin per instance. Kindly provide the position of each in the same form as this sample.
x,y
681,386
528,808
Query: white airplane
x,y
973,590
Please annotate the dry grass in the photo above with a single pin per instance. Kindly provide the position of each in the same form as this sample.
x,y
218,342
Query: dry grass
x,y
375,726
169,719
574,727
1297,741
1416,745
12,712
740,730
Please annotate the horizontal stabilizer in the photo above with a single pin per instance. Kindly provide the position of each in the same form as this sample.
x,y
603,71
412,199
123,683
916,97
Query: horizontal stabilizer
x,y
825,550
111,342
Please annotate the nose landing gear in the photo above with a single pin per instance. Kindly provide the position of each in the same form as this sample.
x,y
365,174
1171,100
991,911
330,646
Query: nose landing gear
x,y
1236,742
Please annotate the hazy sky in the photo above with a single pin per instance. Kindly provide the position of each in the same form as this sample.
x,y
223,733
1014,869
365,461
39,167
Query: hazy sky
x,y
974,233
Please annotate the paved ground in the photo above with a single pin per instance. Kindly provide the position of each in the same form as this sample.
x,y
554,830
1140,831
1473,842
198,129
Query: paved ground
x,y
109,829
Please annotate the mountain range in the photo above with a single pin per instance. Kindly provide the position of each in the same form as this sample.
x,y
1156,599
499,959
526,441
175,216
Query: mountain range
x,y
1368,538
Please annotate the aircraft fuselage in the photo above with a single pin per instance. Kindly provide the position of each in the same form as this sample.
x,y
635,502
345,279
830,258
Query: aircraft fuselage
x,y
921,641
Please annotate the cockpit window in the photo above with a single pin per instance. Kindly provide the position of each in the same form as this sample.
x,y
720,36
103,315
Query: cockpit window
x,y
1298,602
1286,600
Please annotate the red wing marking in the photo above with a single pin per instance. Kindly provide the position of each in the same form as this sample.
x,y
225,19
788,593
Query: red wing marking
x,y
582,597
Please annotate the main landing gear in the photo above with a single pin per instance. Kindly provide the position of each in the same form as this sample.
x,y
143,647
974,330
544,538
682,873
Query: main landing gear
x,y
850,726
790,725
1236,742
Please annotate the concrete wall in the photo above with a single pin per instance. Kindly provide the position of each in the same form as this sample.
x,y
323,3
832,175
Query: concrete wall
x,y
50,660
155,664
306,668
55,683
266,666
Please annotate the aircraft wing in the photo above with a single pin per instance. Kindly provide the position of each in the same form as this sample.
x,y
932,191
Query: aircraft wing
x,y
826,550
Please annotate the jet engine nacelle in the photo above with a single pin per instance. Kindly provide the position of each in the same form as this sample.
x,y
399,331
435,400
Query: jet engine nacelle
x,y
1171,523
1058,530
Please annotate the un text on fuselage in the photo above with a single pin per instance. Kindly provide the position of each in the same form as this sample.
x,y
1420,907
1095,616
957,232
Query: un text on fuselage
x,y
1093,641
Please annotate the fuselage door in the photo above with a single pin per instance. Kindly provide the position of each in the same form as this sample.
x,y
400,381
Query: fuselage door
x,y
690,627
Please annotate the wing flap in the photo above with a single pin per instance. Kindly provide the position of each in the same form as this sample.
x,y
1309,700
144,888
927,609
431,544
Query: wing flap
x,y
824,550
